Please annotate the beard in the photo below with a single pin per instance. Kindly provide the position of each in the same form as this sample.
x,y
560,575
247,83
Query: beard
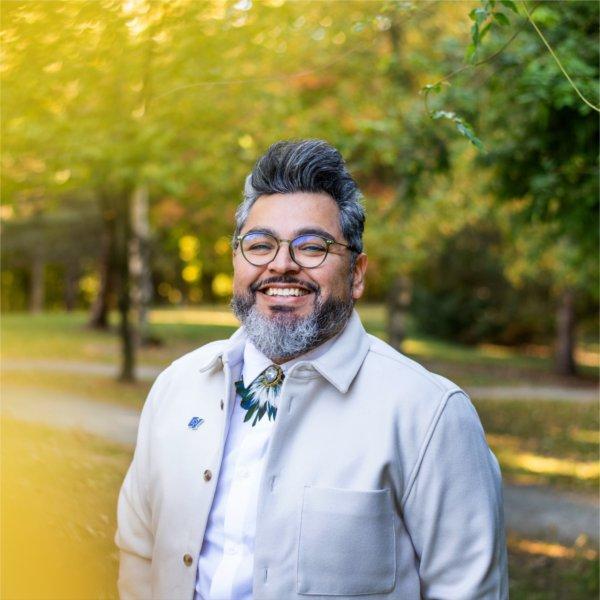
x,y
282,336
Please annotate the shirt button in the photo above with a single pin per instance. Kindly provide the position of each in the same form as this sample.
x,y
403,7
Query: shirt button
x,y
243,472
188,560
207,475
222,404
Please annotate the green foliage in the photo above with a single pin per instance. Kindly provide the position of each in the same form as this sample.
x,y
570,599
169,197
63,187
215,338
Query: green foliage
x,y
183,96
544,149
486,15
461,292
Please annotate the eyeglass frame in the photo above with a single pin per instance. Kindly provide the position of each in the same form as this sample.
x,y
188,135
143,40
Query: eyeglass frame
x,y
329,241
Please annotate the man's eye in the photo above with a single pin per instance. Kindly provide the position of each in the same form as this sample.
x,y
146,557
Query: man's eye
x,y
260,247
312,249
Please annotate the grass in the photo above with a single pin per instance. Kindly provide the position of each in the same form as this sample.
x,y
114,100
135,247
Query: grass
x,y
553,443
544,443
60,336
64,336
91,387
59,492
542,571
59,497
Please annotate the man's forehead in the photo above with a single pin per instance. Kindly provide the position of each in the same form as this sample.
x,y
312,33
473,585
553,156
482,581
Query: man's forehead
x,y
299,212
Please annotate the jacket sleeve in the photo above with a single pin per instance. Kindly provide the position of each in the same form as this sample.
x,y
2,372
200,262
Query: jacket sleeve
x,y
453,509
135,537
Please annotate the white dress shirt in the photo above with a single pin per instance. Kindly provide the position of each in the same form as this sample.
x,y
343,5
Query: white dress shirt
x,y
226,560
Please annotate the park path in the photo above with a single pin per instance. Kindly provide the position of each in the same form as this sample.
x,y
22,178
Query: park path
x,y
149,373
530,510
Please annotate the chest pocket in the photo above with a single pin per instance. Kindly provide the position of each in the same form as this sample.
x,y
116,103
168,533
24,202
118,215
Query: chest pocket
x,y
347,542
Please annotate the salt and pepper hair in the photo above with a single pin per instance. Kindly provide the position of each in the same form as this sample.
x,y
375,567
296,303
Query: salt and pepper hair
x,y
311,166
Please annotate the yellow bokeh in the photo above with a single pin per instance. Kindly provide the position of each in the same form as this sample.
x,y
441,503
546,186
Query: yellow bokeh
x,y
89,285
246,141
188,247
223,245
222,285
174,296
164,288
59,495
192,273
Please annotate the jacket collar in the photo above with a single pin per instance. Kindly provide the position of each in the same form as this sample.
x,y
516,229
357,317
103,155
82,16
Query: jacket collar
x,y
339,365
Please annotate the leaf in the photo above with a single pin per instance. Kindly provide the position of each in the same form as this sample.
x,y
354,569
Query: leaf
x,y
480,14
436,88
501,19
443,114
484,31
510,5
465,130
475,34
470,53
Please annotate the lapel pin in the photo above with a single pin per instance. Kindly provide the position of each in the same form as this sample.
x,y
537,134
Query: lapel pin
x,y
195,422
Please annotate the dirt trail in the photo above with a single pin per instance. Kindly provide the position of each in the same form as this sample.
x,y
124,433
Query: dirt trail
x,y
532,511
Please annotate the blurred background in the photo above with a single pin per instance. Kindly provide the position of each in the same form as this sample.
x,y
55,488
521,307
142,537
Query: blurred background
x,y
128,129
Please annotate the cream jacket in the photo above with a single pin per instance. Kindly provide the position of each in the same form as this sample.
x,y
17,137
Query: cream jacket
x,y
378,481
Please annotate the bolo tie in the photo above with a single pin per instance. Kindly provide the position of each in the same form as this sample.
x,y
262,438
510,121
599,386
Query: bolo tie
x,y
259,398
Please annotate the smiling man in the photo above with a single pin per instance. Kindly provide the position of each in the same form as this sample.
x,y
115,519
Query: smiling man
x,y
303,457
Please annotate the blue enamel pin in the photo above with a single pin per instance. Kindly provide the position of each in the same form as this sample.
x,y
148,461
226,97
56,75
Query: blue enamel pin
x,y
195,422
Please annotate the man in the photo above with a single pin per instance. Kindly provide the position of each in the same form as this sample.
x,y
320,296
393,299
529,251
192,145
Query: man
x,y
303,457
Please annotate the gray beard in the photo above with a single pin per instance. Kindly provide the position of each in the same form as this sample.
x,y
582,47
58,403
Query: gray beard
x,y
282,336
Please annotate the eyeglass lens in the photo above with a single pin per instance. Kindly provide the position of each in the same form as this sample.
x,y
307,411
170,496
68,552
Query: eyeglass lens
x,y
307,250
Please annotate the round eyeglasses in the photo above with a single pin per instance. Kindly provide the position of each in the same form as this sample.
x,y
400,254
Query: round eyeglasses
x,y
307,251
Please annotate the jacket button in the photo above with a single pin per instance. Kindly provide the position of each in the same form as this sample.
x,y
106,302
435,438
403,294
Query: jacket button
x,y
207,475
188,561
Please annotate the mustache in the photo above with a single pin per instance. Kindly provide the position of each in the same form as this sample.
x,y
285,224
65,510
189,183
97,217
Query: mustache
x,y
287,279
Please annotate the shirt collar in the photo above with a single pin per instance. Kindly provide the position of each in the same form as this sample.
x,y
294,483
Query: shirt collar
x,y
255,362
337,360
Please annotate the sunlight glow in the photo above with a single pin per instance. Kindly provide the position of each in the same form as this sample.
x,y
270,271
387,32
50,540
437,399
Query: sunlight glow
x,y
194,317
545,465
553,550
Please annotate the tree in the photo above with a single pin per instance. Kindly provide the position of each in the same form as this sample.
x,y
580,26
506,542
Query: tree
x,y
544,151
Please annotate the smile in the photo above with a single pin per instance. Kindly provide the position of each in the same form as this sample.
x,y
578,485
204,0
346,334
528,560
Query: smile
x,y
273,291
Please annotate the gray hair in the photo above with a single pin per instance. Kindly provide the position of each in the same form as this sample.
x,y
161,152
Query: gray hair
x,y
306,166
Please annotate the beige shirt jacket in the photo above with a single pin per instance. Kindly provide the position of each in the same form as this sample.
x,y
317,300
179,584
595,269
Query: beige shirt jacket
x,y
378,481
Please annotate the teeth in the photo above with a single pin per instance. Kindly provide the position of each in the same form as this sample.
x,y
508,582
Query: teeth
x,y
285,292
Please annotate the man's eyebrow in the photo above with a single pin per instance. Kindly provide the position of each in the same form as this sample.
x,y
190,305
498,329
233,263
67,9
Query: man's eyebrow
x,y
313,231
297,232
262,230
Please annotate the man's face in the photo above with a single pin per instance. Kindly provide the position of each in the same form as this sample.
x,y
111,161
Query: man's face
x,y
286,216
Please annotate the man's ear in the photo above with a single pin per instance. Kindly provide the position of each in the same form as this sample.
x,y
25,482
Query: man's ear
x,y
358,279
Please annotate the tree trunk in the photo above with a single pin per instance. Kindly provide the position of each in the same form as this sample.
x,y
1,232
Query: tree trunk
x,y
101,306
126,329
564,359
208,296
37,288
139,261
397,307
71,279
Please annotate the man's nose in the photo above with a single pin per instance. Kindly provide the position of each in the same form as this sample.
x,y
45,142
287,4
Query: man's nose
x,y
283,263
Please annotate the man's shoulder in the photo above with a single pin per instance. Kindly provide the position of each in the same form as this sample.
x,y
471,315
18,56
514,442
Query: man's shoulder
x,y
400,366
200,357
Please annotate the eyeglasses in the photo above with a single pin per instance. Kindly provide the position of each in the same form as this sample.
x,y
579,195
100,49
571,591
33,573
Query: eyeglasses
x,y
307,251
